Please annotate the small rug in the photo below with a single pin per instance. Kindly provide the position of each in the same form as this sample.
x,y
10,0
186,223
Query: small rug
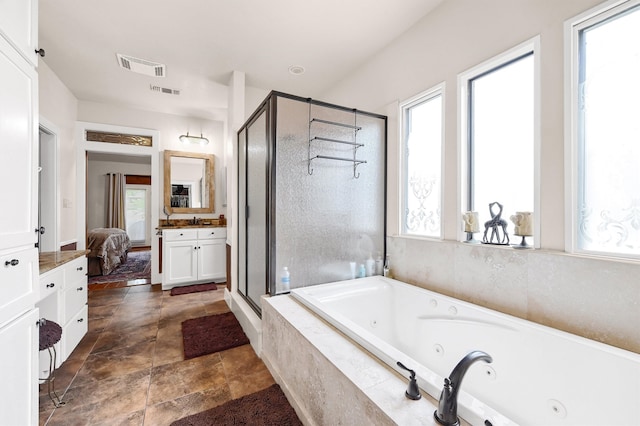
x,y
268,407
175,291
137,266
213,333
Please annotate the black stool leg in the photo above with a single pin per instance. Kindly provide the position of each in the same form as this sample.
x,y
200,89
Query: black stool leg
x,y
51,387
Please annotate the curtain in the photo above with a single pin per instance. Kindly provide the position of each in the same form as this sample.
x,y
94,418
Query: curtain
x,y
115,200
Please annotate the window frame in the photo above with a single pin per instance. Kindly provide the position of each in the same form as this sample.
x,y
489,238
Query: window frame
x,y
572,123
531,46
422,97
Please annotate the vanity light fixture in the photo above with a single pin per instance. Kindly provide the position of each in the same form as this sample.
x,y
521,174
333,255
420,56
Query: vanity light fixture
x,y
200,140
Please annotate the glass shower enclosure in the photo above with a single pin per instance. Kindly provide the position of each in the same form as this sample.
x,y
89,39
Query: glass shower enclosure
x,y
311,194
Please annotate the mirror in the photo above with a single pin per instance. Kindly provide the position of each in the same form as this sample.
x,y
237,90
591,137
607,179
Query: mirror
x,y
188,182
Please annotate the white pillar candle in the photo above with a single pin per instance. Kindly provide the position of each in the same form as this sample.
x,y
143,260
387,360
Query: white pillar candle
x,y
471,223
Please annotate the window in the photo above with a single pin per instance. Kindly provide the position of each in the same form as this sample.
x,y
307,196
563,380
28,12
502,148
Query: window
x,y
498,136
422,164
606,137
136,213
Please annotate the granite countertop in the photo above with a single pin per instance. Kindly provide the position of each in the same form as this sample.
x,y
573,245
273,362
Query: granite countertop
x,y
202,225
52,259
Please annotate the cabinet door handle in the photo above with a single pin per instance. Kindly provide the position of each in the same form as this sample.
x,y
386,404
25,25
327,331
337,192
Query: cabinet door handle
x,y
79,268
51,285
80,319
12,262
80,288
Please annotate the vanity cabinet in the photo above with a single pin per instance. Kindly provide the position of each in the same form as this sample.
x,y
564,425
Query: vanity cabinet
x,y
63,299
193,255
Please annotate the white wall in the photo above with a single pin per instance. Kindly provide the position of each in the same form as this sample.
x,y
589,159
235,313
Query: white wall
x,y
60,107
594,298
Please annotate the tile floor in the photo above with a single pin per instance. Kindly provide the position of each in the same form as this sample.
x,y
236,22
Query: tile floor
x,y
129,368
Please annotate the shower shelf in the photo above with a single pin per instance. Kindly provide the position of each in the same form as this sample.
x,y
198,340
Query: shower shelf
x,y
356,162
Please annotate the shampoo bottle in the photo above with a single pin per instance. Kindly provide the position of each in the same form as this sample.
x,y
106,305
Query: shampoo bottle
x,y
285,285
379,265
370,266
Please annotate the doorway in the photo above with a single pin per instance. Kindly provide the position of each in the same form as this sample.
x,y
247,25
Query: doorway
x,y
48,188
86,148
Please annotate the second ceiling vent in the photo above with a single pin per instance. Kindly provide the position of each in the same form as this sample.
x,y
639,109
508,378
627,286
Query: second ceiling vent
x,y
141,66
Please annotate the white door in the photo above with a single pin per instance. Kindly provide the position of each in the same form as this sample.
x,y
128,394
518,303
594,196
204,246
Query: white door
x,y
19,371
181,262
212,259
18,136
19,23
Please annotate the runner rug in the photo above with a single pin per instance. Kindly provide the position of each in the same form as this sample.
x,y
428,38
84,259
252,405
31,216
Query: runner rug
x,y
268,407
196,288
213,333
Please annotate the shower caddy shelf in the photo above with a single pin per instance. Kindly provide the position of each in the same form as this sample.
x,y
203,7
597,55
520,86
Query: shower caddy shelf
x,y
353,143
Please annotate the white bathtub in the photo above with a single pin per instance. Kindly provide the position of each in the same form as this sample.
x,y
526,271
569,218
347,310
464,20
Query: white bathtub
x,y
539,375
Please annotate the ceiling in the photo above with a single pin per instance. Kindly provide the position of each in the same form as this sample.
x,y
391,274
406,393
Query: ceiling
x,y
202,42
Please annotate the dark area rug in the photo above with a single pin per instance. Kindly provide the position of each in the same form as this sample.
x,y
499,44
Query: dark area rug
x,y
137,266
213,333
196,288
268,407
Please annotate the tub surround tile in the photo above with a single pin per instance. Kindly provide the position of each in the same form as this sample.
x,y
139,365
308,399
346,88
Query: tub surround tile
x,y
569,297
595,298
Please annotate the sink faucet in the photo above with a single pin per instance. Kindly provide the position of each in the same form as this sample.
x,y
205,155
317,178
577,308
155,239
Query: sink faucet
x,y
447,412
194,221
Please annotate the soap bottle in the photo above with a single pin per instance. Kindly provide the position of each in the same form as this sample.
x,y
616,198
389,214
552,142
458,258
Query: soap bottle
x,y
285,285
370,266
362,272
379,265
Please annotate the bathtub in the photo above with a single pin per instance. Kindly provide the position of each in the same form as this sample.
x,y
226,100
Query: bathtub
x,y
539,375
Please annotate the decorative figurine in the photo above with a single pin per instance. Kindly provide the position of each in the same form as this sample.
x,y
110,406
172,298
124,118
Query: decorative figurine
x,y
523,222
495,224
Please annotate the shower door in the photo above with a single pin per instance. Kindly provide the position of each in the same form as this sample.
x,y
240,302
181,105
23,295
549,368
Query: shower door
x,y
252,211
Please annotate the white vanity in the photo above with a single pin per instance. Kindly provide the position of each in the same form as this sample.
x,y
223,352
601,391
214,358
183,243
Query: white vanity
x,y
63,299
193,255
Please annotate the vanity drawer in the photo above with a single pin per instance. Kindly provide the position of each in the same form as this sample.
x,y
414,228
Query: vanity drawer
x,y
75,297
75,271
18,283
211,233
73,331
181,234
51,282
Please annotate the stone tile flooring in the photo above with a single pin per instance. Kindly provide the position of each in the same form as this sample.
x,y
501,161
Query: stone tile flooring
x,y
129,368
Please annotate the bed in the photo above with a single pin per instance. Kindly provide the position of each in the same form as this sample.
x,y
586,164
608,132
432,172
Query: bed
x,y
108,248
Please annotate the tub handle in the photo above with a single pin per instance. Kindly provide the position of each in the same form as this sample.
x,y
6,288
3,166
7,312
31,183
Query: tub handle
x,y
413,392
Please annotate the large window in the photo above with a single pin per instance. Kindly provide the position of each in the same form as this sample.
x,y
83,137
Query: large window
x,y
606,134
421,164
498,136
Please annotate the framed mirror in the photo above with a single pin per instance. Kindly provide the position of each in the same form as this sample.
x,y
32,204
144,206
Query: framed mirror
x,y
188,182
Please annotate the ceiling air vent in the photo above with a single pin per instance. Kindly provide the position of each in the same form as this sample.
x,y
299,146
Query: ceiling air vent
x,y
141,66
164,90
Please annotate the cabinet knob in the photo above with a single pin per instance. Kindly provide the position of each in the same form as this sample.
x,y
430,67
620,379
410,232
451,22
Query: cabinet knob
x,y
51,285
80,319
79,268
12,262
40,52
80,288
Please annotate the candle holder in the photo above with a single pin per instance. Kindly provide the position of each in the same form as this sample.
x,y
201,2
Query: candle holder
x,y
523,222
523,244
471,226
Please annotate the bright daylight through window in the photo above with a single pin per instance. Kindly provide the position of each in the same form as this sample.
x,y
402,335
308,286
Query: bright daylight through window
x,y
422,145
501,138
608,134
